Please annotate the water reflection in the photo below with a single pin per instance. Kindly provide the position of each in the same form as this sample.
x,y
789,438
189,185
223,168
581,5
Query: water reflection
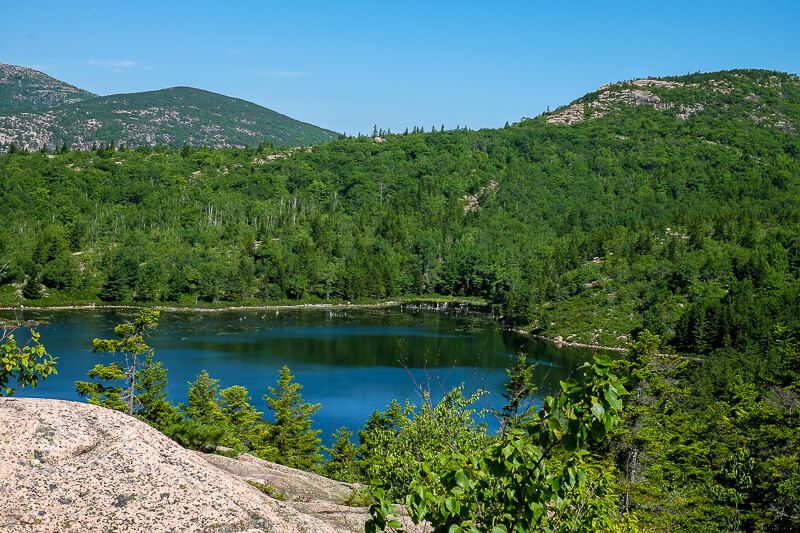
x,y
351,362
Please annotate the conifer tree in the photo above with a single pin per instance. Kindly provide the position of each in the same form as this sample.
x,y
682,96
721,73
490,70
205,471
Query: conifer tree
x,y
519,386
342,464
240,414
151,394
203,404
115,287
131,345
32,290
293,441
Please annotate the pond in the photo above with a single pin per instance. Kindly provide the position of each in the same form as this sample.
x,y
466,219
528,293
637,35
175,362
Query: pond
x,y
352,361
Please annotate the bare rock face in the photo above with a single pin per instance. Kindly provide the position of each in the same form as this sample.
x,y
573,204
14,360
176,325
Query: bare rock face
x,y
612,95
67,466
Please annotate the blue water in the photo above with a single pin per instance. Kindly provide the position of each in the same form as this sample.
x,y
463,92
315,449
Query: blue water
x,y
352,362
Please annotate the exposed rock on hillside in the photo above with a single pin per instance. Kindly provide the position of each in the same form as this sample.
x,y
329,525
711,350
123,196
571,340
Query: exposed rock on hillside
x,y
39,112
26,89
67,466
682,99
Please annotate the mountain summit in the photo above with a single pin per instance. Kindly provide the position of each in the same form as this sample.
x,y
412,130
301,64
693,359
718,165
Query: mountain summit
x,y
23,89
40,112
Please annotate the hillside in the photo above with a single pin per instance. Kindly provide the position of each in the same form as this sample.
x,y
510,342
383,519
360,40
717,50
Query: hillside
x,y
174,117
655,201
67,466
24,89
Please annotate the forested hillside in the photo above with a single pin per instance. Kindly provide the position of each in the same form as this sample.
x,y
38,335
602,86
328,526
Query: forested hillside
x,y
666,211
639,218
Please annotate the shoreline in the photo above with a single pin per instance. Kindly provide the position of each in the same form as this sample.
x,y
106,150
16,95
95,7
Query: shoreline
x,y
229,308
557,341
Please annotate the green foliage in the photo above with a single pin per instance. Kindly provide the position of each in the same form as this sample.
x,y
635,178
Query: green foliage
x,y
196,435
151,395
342,463
289,439
23,365
711,445
522,480
519,387
131,345
245,421
203,406
110,395
395,442
32,290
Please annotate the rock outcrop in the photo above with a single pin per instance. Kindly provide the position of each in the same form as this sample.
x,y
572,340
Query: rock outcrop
x,y
682,99
67,466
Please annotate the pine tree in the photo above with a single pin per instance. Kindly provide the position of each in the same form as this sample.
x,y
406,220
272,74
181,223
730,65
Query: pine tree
x,y
342,464
131,344
203,404
519,387
32,290
98,393
240,414
295,444
115,287
151,395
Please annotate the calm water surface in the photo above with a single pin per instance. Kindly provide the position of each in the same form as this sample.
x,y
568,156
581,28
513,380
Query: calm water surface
x,y
352,362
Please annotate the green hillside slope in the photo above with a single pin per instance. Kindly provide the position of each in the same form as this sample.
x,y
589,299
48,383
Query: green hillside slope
x,y
588,230
38,112
24,89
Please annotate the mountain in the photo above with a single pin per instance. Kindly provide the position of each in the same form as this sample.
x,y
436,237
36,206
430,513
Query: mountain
x,y
174,116
23,89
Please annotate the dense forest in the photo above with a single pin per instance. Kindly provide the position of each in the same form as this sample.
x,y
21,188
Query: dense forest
x,y
665,213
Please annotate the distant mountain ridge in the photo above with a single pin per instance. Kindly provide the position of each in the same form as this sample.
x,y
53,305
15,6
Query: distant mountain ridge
x,y
24,89
39,112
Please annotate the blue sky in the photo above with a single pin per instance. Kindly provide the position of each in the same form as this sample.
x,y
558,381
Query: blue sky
x,y
349,65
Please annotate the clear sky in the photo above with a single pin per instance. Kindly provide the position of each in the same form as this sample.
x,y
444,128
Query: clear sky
x,y
347,65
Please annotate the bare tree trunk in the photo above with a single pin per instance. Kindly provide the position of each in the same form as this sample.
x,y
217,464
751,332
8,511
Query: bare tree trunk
x,y
131,384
